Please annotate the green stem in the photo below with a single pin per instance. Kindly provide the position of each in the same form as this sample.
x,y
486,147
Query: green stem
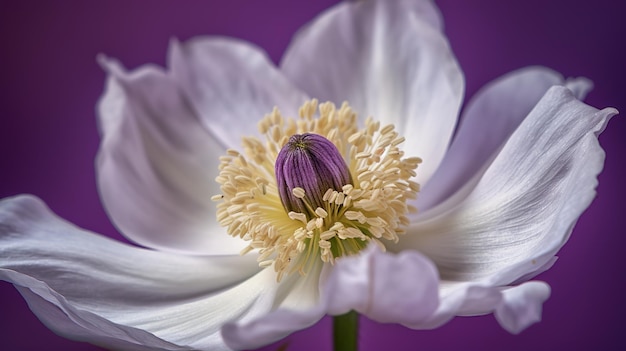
x,y
346,332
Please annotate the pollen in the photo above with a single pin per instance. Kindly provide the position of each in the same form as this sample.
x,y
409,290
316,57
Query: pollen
x,y
333,222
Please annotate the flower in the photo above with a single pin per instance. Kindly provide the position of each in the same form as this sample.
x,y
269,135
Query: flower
x,y
492,211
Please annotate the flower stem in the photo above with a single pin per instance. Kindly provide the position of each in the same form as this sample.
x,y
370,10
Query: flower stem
x,y
346,332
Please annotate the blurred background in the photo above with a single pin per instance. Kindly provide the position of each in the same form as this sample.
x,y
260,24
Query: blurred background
x,y
50,83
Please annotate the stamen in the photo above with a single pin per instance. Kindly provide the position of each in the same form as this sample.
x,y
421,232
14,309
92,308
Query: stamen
x,y
293,197
298,192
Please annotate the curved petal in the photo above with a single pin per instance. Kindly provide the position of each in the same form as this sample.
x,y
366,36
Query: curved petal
x,y
426,10
522,305
231,85
385,287
60,317
515,308
156,165
400,288
88,287
579,86
388,61
489,119
298,307
460,299
525,205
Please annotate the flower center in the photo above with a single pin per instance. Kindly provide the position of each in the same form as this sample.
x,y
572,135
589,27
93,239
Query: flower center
x,y
317,189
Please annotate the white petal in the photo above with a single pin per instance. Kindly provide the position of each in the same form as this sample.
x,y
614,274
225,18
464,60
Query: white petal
x,y
489,119
231,85
508,227
515,308
538,269
525,205
460,299
580,86
297,306
64,321
426,10
521,306
388,60
157,164
384,287
88,287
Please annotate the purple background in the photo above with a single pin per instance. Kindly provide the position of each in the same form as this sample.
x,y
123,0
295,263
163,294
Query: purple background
x,y
49,85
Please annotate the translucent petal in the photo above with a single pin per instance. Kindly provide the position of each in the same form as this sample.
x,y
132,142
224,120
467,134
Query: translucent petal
x,y
88,287
388,60
523,208
156,165
489,119
231,85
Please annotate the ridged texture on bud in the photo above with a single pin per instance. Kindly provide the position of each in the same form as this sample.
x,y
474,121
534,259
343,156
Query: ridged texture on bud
x,y
313,163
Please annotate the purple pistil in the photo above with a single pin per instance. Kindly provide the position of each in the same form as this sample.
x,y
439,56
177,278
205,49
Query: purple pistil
x,y
313,163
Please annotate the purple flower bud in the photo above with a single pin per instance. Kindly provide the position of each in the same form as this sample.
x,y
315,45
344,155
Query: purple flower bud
x,y
313,163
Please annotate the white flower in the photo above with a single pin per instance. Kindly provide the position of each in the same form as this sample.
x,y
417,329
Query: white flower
x,y
496,204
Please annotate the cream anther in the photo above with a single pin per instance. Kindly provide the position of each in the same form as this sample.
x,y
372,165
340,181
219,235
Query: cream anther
x,y
335,222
